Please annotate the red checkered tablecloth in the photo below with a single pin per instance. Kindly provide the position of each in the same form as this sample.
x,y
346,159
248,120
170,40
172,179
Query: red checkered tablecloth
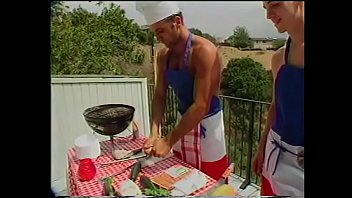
x,y
94,187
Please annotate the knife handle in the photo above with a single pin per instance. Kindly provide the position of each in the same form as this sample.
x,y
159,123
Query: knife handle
x,y
228,171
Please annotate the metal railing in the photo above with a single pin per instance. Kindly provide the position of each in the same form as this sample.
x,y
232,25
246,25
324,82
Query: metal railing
x,y
244,122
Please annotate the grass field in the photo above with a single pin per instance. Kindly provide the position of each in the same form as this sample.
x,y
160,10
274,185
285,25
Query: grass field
x,y
228,53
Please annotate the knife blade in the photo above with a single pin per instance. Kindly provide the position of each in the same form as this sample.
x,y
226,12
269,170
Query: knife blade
x,y
135,155
223,179
150,160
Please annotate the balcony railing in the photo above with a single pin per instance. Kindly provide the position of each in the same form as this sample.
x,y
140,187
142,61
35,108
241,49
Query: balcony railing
x,y
244,122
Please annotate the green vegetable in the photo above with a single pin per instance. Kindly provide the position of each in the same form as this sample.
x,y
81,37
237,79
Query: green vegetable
x,y
152,190
109,189
157,192
147,183
135,171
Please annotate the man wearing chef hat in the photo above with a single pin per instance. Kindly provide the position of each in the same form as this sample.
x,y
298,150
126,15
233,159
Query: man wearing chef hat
x,y
191,66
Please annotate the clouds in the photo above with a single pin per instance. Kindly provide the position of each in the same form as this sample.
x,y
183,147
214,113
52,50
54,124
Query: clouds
x,y
213,17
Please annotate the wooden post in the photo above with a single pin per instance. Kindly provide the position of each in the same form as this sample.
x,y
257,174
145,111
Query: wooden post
x,y
155,57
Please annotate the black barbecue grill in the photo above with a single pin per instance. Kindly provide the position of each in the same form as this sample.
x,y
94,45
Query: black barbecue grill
x,y
109,119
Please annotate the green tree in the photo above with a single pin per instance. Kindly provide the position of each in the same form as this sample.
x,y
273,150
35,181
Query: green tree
x,y
87,43
240,38
196,31
57,7
209,37
278,43
246,78
146,37
204,35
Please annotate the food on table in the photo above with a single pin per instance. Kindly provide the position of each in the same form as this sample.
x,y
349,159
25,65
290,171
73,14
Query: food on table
x,y
169,177
151,189
109,189
120,154
135,171
158,192
225,190
128,188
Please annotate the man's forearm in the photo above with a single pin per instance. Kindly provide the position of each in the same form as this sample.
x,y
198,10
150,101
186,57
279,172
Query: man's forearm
x,y
189,120
158,106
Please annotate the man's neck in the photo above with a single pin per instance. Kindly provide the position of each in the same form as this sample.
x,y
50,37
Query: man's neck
x,y
297,35
179,47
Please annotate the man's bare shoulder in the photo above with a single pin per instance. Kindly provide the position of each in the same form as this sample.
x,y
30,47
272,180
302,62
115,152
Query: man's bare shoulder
x,y
203,47
278,58
203,42
163,52
162,55
279,52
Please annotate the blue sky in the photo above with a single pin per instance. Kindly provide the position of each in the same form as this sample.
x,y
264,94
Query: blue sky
x,y
216,18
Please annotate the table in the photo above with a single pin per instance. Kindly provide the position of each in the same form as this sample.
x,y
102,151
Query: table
x,y
94,187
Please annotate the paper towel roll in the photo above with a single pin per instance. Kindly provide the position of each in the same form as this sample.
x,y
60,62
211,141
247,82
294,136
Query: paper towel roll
x,y
87,146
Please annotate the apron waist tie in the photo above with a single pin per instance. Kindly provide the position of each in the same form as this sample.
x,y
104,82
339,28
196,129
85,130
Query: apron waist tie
x,y
281,149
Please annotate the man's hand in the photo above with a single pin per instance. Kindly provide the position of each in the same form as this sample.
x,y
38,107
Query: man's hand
x,y
258,161
149,143
161,147
300,159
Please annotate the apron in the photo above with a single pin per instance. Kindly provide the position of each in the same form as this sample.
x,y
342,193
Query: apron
x,y
209,135
280,159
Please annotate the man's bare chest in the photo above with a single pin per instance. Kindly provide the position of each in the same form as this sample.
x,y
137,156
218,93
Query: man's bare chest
x,y
179,62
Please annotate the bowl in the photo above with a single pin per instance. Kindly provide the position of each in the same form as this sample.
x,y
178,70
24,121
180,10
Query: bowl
x,y
109,119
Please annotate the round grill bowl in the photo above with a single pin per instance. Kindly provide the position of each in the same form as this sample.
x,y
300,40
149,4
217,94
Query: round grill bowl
x,y
109,119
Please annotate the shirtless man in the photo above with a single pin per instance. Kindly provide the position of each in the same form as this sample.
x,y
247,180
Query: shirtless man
x,y
191,66
280,156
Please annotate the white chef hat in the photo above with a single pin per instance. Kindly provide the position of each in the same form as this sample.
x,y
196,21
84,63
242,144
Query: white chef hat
x,y
155,11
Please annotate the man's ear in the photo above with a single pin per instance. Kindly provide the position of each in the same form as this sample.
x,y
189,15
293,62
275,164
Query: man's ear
x,y
298,4
178,20
301,4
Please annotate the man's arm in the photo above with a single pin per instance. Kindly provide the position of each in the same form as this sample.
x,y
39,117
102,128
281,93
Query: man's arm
x,y
276,62
159,99
203,59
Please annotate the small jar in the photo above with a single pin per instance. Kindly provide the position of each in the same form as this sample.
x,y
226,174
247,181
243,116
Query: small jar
x,y
86,169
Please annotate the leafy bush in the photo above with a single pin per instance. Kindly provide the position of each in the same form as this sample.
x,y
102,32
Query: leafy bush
x,y
87,43
246,78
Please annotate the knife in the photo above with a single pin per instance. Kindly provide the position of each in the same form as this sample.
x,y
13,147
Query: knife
x,y
135,154
223,179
